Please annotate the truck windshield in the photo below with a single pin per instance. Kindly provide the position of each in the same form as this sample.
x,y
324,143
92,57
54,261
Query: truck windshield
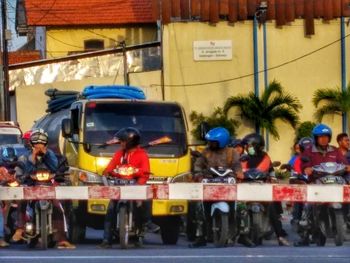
x,y
9,135
154,120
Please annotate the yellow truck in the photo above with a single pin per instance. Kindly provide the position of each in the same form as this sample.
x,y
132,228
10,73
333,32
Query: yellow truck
x,y
91,122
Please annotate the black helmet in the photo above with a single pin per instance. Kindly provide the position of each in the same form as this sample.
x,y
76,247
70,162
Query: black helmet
x,y
39,136
305,143
129,135
8,154
236,142
255,140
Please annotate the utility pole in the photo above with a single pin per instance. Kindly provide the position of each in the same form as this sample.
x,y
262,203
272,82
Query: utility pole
x,y
5,94
125,63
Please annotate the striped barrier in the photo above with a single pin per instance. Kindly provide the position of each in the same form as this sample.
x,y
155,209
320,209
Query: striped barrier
x,y
185,191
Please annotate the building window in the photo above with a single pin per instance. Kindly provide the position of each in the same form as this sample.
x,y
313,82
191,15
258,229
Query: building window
x,y
93,44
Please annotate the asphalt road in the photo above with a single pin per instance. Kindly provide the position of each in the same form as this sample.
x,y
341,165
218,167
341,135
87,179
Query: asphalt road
x,y
154,251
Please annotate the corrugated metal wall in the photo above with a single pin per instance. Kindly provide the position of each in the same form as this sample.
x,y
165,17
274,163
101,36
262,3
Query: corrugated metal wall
x,y
282,11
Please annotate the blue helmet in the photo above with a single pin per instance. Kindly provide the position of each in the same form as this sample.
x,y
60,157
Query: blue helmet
x,y
220,135
8,154
320,130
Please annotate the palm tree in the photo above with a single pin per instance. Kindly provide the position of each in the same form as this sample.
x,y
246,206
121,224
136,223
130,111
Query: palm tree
x,y
336,101
263,112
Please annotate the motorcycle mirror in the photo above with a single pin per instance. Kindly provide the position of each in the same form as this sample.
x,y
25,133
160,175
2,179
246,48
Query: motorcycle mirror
x,y
286,166
276,163
204,128
196,154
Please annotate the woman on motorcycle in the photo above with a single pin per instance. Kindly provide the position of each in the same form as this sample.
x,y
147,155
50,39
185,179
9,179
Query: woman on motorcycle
x,y
216,154
40,157
259,159
130,153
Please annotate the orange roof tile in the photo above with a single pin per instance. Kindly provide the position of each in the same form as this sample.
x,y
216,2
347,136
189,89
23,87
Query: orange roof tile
x,y
23,56
87,12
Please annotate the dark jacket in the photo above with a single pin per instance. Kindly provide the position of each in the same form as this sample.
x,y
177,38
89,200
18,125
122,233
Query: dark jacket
x,y
226,157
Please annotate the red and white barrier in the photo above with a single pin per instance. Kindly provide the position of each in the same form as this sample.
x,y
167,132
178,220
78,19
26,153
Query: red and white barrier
x,y
139,192
185,191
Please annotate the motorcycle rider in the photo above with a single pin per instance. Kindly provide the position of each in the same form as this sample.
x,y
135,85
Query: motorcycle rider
x,y
297,177
38,158
344,145
216,154
7,164
259,159
129,153
26,140
237,144
319,153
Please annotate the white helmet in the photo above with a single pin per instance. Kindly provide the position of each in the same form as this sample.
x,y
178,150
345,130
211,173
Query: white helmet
x,y
39,136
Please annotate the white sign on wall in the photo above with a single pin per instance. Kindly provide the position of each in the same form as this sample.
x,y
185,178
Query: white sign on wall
x,y
212,50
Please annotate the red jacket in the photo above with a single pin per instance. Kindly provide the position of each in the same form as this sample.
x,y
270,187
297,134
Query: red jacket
x,y
297,165
137,158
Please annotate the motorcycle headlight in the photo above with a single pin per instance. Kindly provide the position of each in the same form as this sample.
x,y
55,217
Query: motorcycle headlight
x,y
42,176
29,227
126,170
13,184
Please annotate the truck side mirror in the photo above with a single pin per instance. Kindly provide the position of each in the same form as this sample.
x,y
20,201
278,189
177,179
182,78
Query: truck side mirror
x,y
67,128
204,128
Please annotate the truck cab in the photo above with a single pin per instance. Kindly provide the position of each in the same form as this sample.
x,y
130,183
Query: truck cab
x,y
92,122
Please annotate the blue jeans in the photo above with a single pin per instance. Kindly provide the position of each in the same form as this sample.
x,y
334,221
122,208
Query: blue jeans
x,y
2,224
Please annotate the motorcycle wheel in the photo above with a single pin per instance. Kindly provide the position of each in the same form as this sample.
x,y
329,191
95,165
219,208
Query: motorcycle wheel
x,y
256,229
123,227
43,229
321,239
220,229
339,228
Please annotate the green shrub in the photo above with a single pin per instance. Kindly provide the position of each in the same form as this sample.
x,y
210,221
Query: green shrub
x,y
304,130
217,119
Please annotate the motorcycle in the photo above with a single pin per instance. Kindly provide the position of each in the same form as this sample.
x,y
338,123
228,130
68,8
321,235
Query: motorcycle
x,y
222,213
329,218
39,214
129,225
257,221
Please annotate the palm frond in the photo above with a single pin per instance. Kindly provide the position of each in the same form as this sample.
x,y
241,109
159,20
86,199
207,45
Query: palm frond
x,y
328,109
287,115
329,95
235,101
274,87
285,100
271,128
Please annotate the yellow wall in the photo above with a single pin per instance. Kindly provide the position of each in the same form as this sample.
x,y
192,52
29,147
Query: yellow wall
x,y
29,110
301,78
180,68
63,40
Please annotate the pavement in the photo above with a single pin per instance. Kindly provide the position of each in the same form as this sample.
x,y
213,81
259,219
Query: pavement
x,y
154,251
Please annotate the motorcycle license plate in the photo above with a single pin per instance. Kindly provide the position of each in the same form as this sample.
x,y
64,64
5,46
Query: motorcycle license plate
x,y
329,180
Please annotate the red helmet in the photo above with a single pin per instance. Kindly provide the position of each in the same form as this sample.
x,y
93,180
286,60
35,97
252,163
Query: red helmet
x,y
26,135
